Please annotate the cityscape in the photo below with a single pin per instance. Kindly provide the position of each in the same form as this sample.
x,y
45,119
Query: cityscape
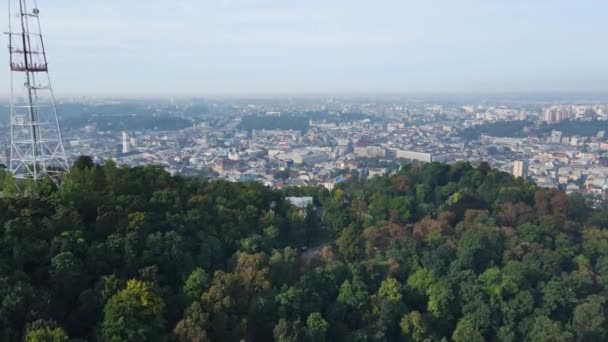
x,y
407,171
321,142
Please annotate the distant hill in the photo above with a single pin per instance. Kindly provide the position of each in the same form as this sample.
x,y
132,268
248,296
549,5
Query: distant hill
x,y
130,116
519,129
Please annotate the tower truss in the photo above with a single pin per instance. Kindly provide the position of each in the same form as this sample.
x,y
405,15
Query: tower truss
x,y
37,149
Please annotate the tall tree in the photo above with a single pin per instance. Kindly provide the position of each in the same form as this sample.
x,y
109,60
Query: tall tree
x,y
134,314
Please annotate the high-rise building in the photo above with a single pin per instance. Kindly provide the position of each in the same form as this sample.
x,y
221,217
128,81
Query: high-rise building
x,y
555,115
126,143
520,169
133,142
556,137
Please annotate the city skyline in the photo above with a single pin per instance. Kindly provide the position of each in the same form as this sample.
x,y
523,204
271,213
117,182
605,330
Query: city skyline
x,y
267,47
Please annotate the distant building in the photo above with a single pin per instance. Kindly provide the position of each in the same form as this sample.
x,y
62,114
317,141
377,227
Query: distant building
x,y
363,151
126,143
574,141
329,185
343,141
556,137
520,169
304,157
377,172
225,165
555,115
314,158
413,155
234,155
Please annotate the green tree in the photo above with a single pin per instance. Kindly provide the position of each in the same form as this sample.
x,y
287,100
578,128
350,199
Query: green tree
x,y
134,314
350,244
558,298
286,331
466,331
390,290
546,330
413,326
421,280
589,319
45,333
440,299
83,162
67,273
196,284
479,247
353,294
316,327
9,186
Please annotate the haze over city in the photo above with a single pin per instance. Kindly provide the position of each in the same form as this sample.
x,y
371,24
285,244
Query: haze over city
x,y
312,171
191,47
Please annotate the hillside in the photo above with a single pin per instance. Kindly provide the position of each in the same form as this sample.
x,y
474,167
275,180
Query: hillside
x,y
434,253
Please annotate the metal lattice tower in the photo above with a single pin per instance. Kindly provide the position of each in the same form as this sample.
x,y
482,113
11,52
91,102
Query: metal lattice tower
x,y
37,149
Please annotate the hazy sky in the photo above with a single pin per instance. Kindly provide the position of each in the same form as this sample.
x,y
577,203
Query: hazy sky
x,y
315,46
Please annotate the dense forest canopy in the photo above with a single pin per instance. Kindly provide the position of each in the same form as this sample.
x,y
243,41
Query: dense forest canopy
x,y
431,253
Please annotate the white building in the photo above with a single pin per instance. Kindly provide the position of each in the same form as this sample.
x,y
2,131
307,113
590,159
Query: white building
x,y
412,155
126,143
520,169
370,152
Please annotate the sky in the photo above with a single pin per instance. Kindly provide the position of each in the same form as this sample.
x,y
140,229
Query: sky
x,y
242,47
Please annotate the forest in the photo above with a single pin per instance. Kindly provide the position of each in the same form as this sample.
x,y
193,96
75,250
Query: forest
x,y
433,252
296,123
511,129
522,129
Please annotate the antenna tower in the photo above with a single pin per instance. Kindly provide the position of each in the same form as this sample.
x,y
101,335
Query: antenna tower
x,y
37,149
